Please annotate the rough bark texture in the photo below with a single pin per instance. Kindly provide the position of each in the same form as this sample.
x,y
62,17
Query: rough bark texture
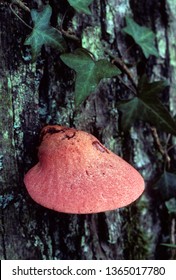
x,y
35,94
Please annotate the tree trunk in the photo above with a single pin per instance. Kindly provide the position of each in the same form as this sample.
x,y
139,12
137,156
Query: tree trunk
x,y
35,94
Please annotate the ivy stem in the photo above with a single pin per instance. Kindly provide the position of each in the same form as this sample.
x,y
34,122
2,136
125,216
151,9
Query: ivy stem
x,y
67,33
170,148
120,62
20,4
162,150
124,68
127,51
130,88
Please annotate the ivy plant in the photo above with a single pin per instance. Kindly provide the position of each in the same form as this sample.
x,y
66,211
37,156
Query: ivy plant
x,y
81,6
166,185
143,36
172,246
43,33
88,72
145,105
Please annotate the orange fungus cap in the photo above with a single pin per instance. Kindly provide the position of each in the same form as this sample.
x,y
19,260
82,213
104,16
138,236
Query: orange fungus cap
x,y
77,174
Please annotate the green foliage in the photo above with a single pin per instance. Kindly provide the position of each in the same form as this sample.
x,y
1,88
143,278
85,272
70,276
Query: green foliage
x,y
81,6
144,106
43,33
171,205
166,186
88,72
143,36
147,107
172,246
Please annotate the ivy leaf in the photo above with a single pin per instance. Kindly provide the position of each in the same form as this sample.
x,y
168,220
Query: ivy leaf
x,y
81,6
43,33
147,107
171,206
143,36
166,186
173,246
88,72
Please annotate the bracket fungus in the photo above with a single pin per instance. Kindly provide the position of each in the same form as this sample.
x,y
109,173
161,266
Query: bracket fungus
x,y
77,174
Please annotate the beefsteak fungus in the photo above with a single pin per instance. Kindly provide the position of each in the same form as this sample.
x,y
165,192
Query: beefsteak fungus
x,y
77,174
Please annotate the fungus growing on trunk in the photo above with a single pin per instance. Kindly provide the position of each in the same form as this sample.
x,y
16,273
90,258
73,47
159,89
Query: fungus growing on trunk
x,y
77,174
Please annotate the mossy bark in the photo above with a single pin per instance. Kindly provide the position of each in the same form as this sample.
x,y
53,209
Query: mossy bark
x,y
39,93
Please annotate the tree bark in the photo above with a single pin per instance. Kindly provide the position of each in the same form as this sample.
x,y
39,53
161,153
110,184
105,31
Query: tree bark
x,y
35,94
